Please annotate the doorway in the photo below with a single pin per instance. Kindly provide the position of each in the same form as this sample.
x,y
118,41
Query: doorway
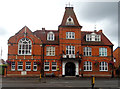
x,y
70,69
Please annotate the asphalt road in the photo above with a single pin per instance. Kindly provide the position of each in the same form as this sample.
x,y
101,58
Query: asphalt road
x,y
66,82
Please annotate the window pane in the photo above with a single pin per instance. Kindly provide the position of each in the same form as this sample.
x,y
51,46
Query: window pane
x,y
103,51
28,66
50,51
87,66
70,35
24,46
103,66
53,67
70,50
20,65
12,65
87,51
50,36
46,66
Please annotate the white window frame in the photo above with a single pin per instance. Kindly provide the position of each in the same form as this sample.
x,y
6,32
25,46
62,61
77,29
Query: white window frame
x,y
24,46
46,64
70,50
12,66
50,36
50,51
97,37
54,64
102,51
20,64
88,37
114,59
70,35
93,37
87,66
34,65
27,64
103,66
87,51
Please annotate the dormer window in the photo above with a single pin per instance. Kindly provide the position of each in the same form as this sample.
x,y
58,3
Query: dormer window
x,y
93,37
69,21
50,36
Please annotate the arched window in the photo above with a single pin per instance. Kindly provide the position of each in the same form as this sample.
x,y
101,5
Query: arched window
x,y
103,66
24,46
50,36
69,21
87,66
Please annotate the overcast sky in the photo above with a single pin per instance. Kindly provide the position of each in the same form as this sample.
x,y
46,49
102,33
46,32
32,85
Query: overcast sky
x,y
15,14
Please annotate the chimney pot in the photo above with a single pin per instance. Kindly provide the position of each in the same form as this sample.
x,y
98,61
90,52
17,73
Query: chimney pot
x,y
95,30
100,31
43,29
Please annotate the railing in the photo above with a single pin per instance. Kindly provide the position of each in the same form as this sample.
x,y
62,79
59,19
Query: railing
x,y
69,56
72,57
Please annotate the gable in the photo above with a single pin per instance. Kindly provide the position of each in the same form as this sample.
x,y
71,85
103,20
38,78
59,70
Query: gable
x,y
25,32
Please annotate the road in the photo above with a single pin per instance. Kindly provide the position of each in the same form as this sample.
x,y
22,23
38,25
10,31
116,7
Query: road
x,y
68,82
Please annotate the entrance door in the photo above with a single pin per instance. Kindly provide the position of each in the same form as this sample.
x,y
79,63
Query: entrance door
x,y
70,69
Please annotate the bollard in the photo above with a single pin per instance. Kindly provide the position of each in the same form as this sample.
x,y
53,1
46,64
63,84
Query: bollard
x,y
93,81
5,72
40,76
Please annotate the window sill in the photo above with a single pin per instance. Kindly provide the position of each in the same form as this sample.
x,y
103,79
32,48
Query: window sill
x,y
54,70
50,40
19,70
103,70
87,56
88,70
34,70
70,38
46,70
27,70
50,55
24,54
12,70
102,56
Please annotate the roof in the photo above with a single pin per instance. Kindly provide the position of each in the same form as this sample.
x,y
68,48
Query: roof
x,y
117,49
42,34
2,61
69,12
104,39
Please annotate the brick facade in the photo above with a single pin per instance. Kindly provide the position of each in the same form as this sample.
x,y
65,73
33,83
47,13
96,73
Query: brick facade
x,y
55,51
117,57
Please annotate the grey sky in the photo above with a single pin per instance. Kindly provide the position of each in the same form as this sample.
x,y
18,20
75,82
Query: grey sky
x,y
103,14
35,14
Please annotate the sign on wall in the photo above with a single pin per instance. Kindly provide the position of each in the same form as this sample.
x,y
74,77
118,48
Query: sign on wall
x,y
23,73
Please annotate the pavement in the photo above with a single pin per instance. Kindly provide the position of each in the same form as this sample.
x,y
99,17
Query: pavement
x,y
59,82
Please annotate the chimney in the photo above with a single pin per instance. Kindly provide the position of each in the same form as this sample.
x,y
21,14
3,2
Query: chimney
x,y
43,29
95,31
100,31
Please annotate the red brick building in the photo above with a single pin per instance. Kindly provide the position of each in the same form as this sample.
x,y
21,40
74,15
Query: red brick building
x,y
116,57
67,51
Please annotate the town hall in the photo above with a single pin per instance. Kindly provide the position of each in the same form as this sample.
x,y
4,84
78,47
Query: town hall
x,y
66,51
